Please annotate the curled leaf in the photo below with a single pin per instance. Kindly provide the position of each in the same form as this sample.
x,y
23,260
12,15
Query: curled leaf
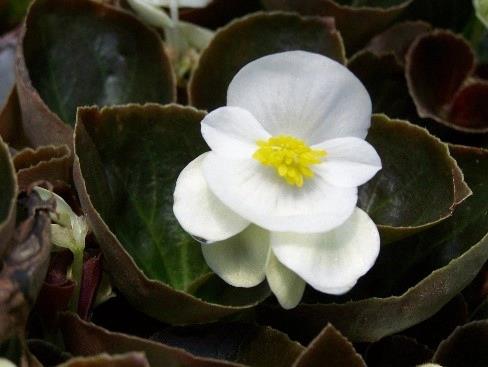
x,y
395,197
439,66
47,163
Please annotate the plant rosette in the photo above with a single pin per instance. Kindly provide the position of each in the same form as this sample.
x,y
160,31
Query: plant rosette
x,y
276,196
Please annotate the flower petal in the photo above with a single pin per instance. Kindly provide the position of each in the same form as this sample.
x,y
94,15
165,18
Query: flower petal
x,y
198,211
349,162
240,260
258,194
150,13
181,3
331,262
302,94
284,283
232,132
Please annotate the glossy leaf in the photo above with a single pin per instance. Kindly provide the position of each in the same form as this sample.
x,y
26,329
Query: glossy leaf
x,y
250,345
77,53
466,346
250,38
331,348
444,259
357,20
395,197
127,162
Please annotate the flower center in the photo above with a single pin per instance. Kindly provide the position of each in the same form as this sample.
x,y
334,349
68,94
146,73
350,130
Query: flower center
x,y
290,156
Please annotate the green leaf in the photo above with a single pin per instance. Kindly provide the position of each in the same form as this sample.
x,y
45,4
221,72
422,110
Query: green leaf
x,y
128,160
220,345
416,165
443,260
12,12
76,53
249,38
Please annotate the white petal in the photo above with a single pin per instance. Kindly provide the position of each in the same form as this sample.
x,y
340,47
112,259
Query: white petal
x,y
232,132
196,36
284,283
302,94
240,260
349,162
181,3
150,13
258,194
198,211
331,262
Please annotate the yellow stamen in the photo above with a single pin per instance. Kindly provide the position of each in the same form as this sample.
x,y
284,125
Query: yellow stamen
x,y
290,157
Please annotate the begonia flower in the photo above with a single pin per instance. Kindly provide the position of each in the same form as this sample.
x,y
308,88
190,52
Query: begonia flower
x,y
276,196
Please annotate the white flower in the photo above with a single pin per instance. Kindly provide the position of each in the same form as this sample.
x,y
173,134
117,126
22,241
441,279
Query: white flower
x,y
276,196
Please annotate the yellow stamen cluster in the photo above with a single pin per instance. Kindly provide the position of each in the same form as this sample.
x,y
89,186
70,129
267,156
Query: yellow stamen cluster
x,y
290,156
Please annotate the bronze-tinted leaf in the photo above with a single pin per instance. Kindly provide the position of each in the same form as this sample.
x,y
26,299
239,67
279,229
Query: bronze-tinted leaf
x,y
438,65
384,79
468,108
46,163
449,257
252,37
397,39
256,346
132,359
416,165
239,342
8,198
8,43
127,162
357,21
11,129
24,266
332,349
76,53
467,346
398,351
